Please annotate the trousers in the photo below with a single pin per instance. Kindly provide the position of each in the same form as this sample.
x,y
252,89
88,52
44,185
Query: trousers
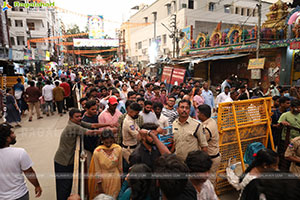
x,y
35,105
64,180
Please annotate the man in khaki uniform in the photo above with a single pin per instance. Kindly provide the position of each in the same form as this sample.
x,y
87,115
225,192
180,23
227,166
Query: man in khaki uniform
x,y
210,128
130,130
292,154
188,132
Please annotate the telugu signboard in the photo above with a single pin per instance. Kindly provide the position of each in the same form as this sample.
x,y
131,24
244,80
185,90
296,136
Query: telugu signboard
x,y
166,75
96,26
95,42
177,76
295,45
256,63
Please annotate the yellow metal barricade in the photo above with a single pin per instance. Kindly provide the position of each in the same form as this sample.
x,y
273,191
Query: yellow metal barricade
x,y
241,123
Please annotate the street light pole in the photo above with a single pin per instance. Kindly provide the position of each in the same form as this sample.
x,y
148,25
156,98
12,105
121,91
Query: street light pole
x,y
258,29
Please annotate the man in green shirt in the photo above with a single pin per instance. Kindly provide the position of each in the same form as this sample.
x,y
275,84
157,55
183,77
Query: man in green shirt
x,y
291,118
64,157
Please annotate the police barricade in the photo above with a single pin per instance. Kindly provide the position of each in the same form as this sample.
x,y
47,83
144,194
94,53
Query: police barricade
x,y
241,123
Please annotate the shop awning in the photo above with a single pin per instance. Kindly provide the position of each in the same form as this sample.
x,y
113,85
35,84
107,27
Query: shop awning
x,y
220,57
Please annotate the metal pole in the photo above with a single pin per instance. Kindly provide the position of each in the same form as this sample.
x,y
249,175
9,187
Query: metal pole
x,y
258,29
154,26
82,160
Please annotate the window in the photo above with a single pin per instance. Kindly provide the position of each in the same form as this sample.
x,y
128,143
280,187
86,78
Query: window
x,y
164,39
183,5
211,6
237,10
8,22
227,8
169,11
139,45
146,19
33,44
12,41
191,4
31,26
242,11
20,40
248,12
18,23
254,12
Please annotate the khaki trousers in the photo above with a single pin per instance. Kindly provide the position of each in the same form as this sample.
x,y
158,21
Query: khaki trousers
x,y
214,169
35,105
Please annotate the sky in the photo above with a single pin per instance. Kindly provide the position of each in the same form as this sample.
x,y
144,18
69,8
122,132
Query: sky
x,y
117,11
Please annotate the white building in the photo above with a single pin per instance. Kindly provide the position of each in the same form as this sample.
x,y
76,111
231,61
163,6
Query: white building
x,y
31,23
203,15
4,44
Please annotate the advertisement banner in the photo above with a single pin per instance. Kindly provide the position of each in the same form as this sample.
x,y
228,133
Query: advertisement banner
x,y
177,76
95,42
187,40
166,75
96,26
295,45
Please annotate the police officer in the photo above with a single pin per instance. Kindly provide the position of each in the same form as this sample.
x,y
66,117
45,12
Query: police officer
x,y
130,130
292,154
210,129
188,132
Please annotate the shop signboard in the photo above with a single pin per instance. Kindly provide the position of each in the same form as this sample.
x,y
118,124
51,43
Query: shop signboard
x,y
166,75
95,42
256,63
177,76
295,45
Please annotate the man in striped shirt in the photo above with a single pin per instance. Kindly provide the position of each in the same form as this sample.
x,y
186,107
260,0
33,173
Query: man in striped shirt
x,y
169,111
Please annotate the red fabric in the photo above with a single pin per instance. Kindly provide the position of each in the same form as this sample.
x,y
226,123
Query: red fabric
x,y
67,88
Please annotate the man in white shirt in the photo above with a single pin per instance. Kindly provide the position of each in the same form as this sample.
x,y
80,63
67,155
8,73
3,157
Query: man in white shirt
x,y
147,114
223,96
15,162
47,93
162,120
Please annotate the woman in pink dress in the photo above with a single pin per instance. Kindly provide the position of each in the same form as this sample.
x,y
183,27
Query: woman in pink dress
x,y
198,99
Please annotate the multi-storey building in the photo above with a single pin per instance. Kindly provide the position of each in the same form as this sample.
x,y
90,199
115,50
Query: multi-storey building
x,y
31,23
139,31
4,42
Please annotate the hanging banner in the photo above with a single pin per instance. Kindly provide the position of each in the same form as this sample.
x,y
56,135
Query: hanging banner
x,y
96,26
166,75
177,76
256,63
95,42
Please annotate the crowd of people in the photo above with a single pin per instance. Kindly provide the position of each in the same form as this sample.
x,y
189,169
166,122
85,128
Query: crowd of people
x,y
143,140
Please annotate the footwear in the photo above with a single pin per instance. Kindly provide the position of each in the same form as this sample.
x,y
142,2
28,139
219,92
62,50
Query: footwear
x,y
52,113
30,119
64,112
18,126
40,117
47,114
61,114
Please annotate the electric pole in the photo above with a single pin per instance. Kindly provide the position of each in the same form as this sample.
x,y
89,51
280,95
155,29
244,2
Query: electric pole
x,y
258,29
174,33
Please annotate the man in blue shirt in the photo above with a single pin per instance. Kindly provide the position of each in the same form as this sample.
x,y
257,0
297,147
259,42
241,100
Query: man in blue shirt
x,y
208,96
227,82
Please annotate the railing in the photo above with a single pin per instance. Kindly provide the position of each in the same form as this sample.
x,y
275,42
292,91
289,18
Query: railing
x,y
79,158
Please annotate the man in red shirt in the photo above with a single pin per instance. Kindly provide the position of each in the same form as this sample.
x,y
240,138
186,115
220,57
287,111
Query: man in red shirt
x,y
157,96
33,94
67,89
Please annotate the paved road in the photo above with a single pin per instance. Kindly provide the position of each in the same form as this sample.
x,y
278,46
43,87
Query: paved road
x,y
40,139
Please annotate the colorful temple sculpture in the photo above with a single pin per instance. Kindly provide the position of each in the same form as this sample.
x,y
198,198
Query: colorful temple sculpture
x,y
274,28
